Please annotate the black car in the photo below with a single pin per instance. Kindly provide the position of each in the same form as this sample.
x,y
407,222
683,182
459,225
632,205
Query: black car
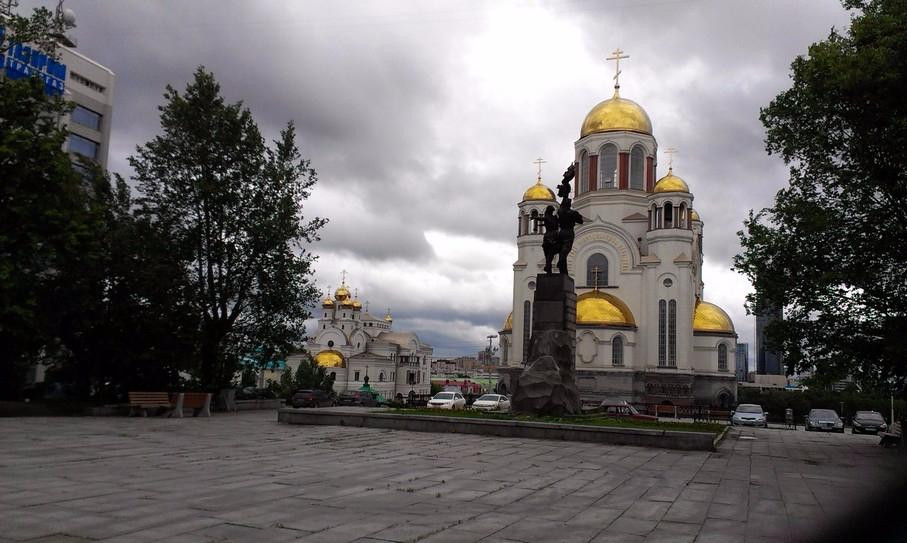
x,y
824,420
868,422
312,398
357,397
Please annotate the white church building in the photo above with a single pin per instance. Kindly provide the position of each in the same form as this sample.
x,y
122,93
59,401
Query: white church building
x,y
352,344
644,332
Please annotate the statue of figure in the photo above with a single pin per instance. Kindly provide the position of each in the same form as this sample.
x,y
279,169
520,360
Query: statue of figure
x,y
549,241
563,190
567,218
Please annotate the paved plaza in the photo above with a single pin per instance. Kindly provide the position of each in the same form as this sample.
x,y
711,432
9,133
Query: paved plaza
x,y
246,478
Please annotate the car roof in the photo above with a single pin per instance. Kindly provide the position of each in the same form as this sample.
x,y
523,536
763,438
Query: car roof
x,y
750,405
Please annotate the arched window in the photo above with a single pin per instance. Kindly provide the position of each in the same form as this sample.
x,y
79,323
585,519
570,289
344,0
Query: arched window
x,y
583,173
662,331
637,168
653,217
607,157
381,376
682,216
672,333
617,351
533,215
668,215
527,318
722,357
597,271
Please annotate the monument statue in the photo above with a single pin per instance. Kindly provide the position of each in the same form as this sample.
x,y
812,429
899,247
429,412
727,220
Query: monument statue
x,y
558,238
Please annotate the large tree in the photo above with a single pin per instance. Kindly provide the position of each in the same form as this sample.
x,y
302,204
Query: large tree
x,y
231,207
833,248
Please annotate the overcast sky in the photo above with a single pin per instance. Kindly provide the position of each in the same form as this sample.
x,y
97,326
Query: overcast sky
x,y
422,120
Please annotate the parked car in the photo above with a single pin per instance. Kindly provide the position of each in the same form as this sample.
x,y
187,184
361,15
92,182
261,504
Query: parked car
x,y
624,410
447,400
492,402
357,397
749,414
312,398
868,422
824,420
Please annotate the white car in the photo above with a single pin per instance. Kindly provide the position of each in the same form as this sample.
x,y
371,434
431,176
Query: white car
x,y
447,400
749,414
492,402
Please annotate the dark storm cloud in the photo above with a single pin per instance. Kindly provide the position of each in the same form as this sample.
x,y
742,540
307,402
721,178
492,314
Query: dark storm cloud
x,y
426,117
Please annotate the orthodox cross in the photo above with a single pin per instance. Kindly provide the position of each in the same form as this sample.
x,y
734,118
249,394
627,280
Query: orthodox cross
x,y
595,270
356,293
328,293
618,54
366,306
539,162
670,152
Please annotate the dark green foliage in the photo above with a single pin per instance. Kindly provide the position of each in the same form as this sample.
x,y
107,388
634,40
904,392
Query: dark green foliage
x,y
39,30
776,401
230,207
833,247
310,375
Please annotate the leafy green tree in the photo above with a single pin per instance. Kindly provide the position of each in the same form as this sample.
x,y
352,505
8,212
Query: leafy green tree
x,y
310,375
833,247
232,209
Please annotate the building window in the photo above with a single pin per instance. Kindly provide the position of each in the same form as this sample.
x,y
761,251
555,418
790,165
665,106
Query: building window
x,y
722,357
669,215
584,172
527,317
83,146
86,117
597,271
662,317
608,157
672,333
533,215
356,376
85,82
381,376
617,351
637,168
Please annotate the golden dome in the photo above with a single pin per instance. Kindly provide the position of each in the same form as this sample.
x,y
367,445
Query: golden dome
x,y
539,192
508,324
388,318
694,216
342,293
711,318
616,113
599,308
671,183
327,302
347,303
330,359
357,305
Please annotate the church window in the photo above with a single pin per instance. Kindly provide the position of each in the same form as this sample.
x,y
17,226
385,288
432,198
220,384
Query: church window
x,y
682,216
637,168
668,215
608,158
617,351
722,357
672,333
356,376
333,375
662,310
527,317
597,271
381,376
535,224
331,343
584,172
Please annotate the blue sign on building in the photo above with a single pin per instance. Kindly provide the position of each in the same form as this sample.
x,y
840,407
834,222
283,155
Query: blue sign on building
x,y
19,60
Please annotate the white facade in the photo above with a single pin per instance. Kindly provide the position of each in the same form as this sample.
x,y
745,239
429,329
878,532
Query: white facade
x,y
643,332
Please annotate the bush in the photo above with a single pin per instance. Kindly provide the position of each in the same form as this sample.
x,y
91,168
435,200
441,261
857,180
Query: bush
x,y
776,401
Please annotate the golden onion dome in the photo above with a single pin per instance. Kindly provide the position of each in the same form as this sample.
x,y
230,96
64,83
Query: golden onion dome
x,y
711,318
348,303
388,318
508,324
616,113
599,308
694,216
327,302
342,293
330,359
539,192
357,305
671,183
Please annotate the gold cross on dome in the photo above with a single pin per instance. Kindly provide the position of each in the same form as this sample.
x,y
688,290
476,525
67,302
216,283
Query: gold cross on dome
x,y
618,54
670,152
539,162
343,277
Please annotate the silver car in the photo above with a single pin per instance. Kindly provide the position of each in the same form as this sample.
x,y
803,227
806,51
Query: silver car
x,y
749,414
824,420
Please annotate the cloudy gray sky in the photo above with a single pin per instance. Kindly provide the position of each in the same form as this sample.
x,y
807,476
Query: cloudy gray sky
x,y
423,119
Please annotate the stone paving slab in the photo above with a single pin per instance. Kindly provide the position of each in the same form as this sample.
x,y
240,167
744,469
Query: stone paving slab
x,y
246,478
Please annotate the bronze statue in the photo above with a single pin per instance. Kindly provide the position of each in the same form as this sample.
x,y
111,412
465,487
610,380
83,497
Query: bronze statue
x,y
558,239
567,218
549,241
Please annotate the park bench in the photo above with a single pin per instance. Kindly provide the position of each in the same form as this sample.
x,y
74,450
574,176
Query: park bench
x,y
717,415
199,402
143,401
892,438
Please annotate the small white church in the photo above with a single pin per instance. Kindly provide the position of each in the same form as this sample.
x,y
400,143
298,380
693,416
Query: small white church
x,y
644,332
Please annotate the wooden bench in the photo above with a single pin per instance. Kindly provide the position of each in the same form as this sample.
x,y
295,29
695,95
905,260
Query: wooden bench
x,y
892,438
144,401
717,415
199,402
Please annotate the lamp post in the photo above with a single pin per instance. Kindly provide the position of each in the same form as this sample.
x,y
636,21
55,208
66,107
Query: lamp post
x,y
488,353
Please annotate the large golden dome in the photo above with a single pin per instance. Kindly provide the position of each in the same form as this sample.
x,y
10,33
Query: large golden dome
x,y
342,293
508,324
616,113
711,318
671,183
327,302
694,216
599,308
539,192
330,359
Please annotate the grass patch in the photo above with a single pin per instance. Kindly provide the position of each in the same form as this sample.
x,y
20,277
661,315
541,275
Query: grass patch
x,y
583,420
